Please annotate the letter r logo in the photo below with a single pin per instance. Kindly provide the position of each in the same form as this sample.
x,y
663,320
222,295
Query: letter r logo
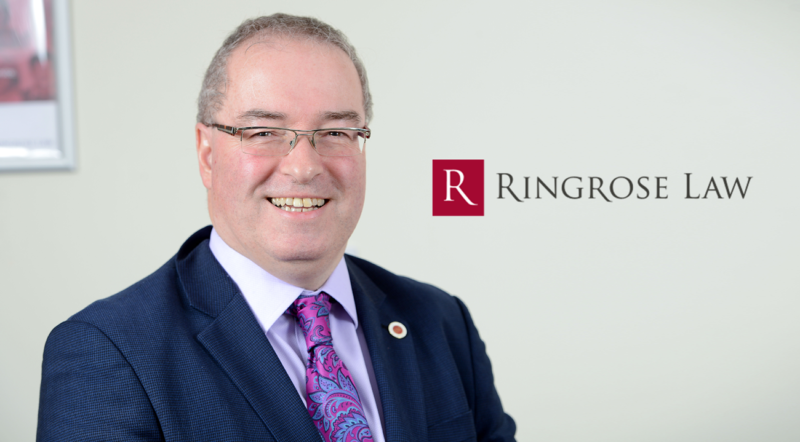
x,y
457,187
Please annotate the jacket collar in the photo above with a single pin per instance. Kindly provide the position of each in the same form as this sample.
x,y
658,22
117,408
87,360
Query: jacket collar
x,y
394,361
237,343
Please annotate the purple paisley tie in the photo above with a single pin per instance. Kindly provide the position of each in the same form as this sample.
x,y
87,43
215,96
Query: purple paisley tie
x,y
331,396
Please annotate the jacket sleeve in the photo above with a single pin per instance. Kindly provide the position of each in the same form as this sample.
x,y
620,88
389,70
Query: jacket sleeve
x,y
491,423
89,390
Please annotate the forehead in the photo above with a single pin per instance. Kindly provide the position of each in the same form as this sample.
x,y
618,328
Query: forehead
x,y
296,78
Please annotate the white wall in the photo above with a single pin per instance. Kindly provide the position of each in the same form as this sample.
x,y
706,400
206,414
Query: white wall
x,y
627,321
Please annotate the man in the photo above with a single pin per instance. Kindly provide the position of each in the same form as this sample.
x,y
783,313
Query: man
x,y
261,328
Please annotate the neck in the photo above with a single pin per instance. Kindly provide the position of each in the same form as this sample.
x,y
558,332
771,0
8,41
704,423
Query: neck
x,y
308,273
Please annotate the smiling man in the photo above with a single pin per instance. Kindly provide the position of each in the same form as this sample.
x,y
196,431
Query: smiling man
x,y
261,328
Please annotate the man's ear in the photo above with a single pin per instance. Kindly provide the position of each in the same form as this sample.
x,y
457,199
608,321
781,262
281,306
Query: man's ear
x,y
204,153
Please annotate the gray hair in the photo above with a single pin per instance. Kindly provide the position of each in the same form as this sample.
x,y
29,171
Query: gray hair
x,y
212,94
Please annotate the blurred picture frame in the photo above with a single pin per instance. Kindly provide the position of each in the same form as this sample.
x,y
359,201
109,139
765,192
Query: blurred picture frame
x,y
36,106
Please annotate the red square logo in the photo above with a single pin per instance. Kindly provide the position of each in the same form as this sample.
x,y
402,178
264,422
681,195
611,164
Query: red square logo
x,y
457,187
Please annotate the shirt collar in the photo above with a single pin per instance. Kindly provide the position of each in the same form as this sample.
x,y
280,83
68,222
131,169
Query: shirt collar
x,y
268,296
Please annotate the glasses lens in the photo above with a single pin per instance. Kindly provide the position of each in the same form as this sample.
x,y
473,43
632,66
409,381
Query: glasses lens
x,y
339,142
267,141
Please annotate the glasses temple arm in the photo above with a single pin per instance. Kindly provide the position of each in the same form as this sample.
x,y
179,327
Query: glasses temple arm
x,y
227,129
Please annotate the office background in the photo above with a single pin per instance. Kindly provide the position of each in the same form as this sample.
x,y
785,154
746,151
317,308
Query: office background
x,y
656,320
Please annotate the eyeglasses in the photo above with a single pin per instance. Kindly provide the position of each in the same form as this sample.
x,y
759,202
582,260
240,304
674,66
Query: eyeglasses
x,y
279,141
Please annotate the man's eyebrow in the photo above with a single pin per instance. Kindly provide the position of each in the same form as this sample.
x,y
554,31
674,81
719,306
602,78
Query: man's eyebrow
x,y
259,114
342,115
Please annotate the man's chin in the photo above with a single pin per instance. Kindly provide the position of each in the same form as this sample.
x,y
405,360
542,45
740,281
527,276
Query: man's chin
x,y
300,254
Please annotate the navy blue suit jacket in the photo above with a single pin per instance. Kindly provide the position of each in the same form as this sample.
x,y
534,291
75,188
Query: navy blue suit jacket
x,y
179,356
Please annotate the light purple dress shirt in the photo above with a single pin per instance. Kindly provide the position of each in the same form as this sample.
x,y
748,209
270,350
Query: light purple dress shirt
x,y
269,297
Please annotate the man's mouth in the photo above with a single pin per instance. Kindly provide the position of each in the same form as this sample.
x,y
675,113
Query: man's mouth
x,y
298,204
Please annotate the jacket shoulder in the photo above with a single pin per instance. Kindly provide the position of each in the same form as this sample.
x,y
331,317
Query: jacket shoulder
x,y
418,301
143,303
395,285
157,303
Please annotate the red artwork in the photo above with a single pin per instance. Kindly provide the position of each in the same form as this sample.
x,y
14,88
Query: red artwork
x,y
26,48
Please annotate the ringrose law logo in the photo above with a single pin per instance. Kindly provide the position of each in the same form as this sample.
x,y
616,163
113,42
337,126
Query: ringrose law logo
x,y
458,188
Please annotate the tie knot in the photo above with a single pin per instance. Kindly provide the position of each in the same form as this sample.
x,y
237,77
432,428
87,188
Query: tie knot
x,y
311,313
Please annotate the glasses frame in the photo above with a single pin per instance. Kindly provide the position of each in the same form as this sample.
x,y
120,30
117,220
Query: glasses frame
x,y
230,130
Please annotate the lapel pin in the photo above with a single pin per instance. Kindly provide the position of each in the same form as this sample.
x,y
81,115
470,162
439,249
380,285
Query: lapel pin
x,y
397,330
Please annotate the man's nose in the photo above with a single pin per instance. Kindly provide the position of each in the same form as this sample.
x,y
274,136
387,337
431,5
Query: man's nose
x,y
303,163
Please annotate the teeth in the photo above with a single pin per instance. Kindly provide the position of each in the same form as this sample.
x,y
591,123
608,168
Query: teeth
x,y
298,209
298,204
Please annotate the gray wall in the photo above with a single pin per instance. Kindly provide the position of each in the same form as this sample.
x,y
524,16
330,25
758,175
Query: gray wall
x,y
655,320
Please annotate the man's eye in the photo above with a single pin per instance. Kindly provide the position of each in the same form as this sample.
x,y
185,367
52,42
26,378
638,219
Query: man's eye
x,y
262,135
340,135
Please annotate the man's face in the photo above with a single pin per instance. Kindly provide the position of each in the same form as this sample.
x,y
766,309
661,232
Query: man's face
x,y
297,85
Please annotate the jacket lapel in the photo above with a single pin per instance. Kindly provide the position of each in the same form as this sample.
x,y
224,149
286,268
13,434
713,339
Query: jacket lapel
x,y
394,361
235,340
240,347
